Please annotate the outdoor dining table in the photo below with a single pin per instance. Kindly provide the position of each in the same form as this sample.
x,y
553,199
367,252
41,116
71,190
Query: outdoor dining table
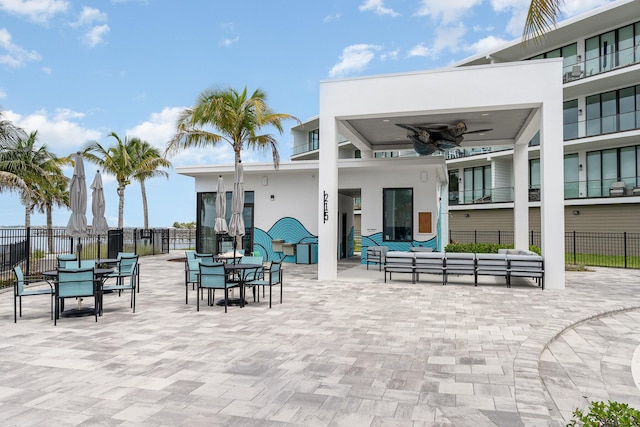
x,y
100,274
242,270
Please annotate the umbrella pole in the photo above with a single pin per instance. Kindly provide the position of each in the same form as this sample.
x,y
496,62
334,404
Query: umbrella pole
x,y
98,246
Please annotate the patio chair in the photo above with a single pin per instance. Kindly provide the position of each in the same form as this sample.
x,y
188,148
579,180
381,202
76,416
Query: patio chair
x,y
376,255
75,283
618,188
251,275
122,255
275,278
211,277
126,279
65,259
191,270
19,291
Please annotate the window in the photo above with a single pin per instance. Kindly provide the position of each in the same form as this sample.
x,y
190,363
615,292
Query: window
x,y
612,49
314,139
397,214
615,111
605,167
570,120
567,53
477,184
571,176
206,239
534,173
454,195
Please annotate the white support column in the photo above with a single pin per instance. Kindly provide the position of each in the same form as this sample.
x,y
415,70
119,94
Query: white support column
x,y
328,194
520,195
552,193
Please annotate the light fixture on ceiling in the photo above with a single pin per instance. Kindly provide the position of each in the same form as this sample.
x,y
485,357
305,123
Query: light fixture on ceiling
x,y
385,120
485,114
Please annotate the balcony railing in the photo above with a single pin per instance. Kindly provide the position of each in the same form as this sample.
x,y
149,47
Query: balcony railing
x,y
600,188
601,64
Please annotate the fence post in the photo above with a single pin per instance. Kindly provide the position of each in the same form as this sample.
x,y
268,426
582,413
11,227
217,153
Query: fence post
x,y
28,266
499,237
135,241
475,236
574,247
625,249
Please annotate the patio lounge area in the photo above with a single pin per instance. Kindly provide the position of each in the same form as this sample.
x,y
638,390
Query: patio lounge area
x,y
355,352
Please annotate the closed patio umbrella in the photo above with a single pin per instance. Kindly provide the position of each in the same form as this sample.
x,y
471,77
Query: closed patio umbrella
x,y
99,225
77,225
220,225
236,223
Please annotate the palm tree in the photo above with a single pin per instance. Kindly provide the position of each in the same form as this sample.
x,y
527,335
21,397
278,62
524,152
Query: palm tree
x,y
230,116
147,160
9,133
35,166
542,15
117,160
55,193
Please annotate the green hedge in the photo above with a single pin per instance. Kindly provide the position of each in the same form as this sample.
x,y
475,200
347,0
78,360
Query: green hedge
x,y
483,248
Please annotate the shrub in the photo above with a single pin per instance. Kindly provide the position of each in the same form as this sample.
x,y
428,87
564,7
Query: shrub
x,y
614,414
483,248
37,254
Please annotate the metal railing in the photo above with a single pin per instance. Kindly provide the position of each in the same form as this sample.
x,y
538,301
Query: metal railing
x,y
36,249
600,64
618,250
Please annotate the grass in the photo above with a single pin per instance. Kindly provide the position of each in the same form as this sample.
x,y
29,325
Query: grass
x,y
598,260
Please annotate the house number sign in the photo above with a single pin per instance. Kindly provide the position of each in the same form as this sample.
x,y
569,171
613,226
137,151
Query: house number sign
x,y
326,207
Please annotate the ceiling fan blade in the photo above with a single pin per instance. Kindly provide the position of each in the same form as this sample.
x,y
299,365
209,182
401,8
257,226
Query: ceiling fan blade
x,y
478,131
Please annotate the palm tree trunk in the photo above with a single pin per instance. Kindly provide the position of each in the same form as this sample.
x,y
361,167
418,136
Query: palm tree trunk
x,y
145,208
121,207
49,228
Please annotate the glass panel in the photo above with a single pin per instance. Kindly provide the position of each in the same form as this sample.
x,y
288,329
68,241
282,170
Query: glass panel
x,y
607,51
571,176
569,54
628,166
609,111
454,195
625,45
535,140
627,108
592,54
594,174
637,184
570,119
593,115
487,181
556,53
468,185
398,214
637,107
207,222
478,187
637,42
609,169
534,173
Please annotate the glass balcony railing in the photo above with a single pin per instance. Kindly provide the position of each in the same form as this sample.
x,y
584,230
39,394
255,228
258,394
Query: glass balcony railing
x,y
601,125
456,153
305,148
601,64
600,188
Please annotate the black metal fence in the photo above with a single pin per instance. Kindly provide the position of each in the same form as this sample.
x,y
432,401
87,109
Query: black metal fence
x,y
621,250
36,249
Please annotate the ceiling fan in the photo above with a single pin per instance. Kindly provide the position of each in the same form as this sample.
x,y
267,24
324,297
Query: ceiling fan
x,y
427,139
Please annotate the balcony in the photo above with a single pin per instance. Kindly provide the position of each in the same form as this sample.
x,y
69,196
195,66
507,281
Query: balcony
x,y
601,64
591,189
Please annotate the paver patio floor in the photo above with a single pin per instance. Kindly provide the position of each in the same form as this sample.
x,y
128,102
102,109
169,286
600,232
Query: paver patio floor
x,y
354,352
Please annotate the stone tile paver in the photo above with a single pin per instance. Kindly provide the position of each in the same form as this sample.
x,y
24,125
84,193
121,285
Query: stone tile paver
x,y
355,352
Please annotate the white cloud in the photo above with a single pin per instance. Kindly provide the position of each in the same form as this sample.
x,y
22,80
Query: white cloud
x,y
3,94
58,131
378,8
354,58
95,35
420,50
485,44
446,12
229,41
89,16
47,70
391,55
330,18
39,11
14,56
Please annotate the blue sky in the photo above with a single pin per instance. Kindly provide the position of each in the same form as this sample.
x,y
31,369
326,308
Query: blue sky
x,y
77,70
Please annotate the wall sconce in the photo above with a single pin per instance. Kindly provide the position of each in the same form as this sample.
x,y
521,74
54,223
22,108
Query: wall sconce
x,y
272,197
466,215
580,167
579,111
579,58
265,181
576,212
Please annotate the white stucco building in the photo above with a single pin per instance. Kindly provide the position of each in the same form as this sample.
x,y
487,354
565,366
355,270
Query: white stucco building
x,y
404,200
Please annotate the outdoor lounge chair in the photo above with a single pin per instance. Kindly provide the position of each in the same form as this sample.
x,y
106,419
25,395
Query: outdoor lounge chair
x,y
429,263
490,265
459,263
617,188
19,291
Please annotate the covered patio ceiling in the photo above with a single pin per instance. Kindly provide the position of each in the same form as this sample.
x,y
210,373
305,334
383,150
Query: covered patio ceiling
x,y
381,133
